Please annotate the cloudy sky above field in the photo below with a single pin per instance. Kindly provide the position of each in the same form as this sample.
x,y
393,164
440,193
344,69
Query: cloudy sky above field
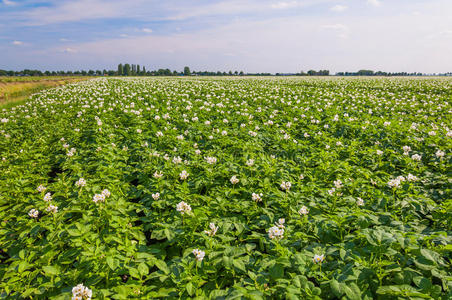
x,y
248,35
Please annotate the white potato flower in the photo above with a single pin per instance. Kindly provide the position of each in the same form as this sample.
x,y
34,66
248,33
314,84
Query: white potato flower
x,y
48,197
318,258
212,231
440,154
303,211
81,292
276,232
234,179
394,183
211,160
158,174
71,152
256,197
177,160
416,157
286,185
183,175
52,208
183,208
98,198
359,202
199,254
33,213
81,182
338,184
41,188
106,193
411,177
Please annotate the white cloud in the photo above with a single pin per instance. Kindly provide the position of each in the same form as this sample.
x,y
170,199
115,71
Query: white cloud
x,y
341,30
146,30
9,3
17,43
64,40
339,8
284,5
70,50
73,11
144,10
444,34
375,3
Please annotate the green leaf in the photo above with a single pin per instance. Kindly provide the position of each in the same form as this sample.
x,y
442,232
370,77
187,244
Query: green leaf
x,y
112,263
134,272
429,254
169,234
352,291
51,270
189,288
162,266
227,261
23,265
74,232
276,271
143,269
336,288
239,265
255,295
28,292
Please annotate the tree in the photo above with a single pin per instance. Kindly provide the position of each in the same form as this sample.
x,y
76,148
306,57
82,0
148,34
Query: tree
x,y
127,70
138,69
365,73
120,70
187,71
144,71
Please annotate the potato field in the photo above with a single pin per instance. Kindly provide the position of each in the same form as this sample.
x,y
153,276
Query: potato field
x,y
228,188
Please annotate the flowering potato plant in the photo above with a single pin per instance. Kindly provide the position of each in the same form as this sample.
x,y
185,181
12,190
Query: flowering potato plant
x,y
228,189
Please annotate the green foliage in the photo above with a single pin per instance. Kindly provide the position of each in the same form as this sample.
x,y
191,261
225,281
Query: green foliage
x,y
375,225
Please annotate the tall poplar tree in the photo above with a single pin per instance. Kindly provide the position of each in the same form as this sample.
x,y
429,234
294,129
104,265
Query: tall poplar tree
x,y
127,70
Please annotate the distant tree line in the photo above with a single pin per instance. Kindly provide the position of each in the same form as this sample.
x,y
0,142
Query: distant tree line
x,y
380,73
314,73
27,72
137,70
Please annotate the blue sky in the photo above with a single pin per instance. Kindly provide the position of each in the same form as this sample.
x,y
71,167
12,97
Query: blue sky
x,y
248,35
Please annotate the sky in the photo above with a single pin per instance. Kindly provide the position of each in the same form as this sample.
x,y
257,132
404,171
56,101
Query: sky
x,y
250,35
